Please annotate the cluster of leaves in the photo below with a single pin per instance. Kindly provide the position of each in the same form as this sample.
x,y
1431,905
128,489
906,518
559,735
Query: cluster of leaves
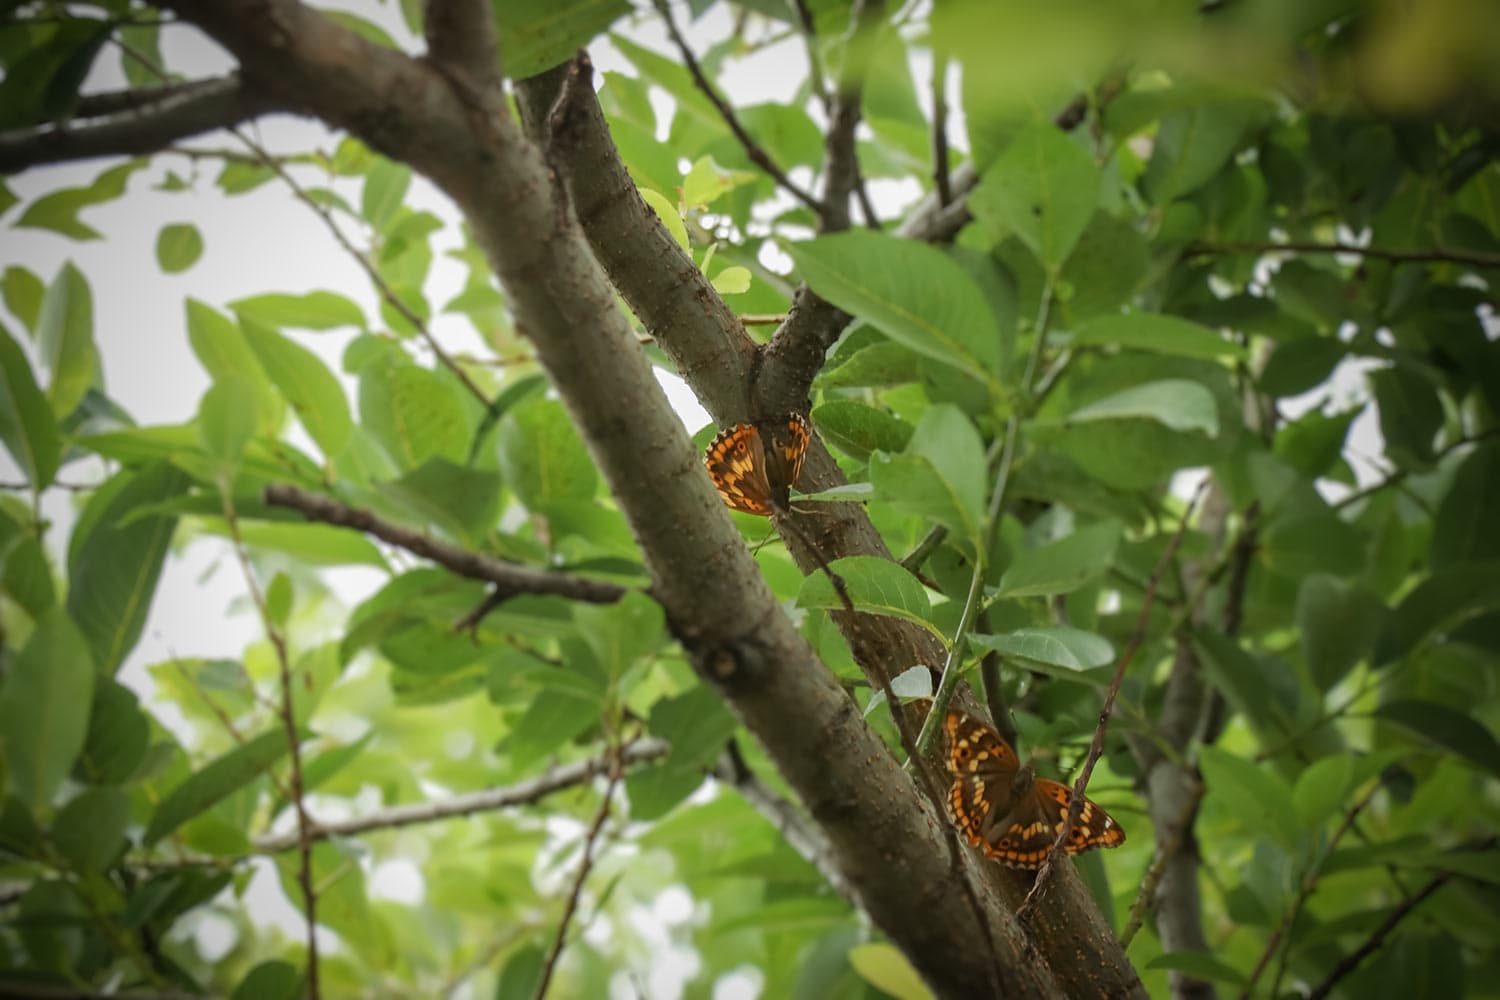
x,y
1115,303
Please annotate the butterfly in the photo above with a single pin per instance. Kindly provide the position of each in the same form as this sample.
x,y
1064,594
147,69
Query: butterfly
x,y
755,466
1003,809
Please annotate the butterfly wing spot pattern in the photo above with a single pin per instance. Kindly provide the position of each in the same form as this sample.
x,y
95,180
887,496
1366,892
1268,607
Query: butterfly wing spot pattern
x,y
1009,818
755,466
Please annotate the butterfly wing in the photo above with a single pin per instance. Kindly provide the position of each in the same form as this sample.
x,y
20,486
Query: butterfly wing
x,y
983,767
792,440
1033,826
736,461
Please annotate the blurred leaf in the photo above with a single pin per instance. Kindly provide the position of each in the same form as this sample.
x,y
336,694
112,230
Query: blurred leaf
x,y
666,211
1193,144
178,247
90,829
313,544
1059,645
542,457
1447,728
213,782
1441,603
1320,789
1256,796
1174,403
622,632
27,424
1410,415
1463,529
306,383
414,413
858,429
316,310
270,980
59,210
1160,333
227,417
44,708
463,501
521,975
1338,623
22,291
536,35
1199,965
384,191
884,967
117,736
65,340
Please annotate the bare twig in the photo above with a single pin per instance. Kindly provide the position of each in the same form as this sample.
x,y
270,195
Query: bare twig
x,y
1435,255
753,149
584,866
516,578
1096,748
940,181
294,748
814,64
489,800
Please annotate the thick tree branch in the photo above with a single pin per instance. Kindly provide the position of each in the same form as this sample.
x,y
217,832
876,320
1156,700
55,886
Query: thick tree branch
x,y
146,121
510,578
519,794
461,39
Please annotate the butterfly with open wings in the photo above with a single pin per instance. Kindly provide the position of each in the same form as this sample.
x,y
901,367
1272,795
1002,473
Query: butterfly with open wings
x,y
755,466
1006,811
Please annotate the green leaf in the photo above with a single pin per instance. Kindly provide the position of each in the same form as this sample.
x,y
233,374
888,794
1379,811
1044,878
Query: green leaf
x,y
553,718
1193,144
912,292
1199,965
1320,789
22,291
667,212
706,182
270,980
1315,540
316,310
414,413
216,781
384,192
1242,679
1043,188
911,483
1447,728
858,429
876,586
696,723
178,247
227,417
536,35
1439,604
117,736
522,974
113,566
541,456
1174,403
1410,415
463,501
1063,566
1255,795
44,708
621,633
311,544
225,353
1463,530
90,830
306,382
1160,333
883,966
1058,645
65,340
1338,623
25,573
59,210
27,424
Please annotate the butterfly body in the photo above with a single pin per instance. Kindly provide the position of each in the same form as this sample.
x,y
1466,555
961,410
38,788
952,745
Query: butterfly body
x,y
1005,810
755,466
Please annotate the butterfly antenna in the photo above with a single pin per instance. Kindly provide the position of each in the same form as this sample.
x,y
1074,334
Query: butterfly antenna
x,y
838,582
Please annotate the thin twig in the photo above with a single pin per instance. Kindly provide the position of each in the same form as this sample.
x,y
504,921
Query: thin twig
x,y
584,866
753,150
517,578
1096,748
1436,255
289,723
940,181
1167,849
814,64
1399,476
913,560
521,793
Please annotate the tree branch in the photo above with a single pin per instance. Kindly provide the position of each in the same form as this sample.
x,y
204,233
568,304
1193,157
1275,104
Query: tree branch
x,y
753,149
461,39
512,578
145,121
521,793
1435,255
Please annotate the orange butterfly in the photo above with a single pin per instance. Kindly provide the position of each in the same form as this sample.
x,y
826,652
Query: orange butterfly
x,y
1003,809
755,466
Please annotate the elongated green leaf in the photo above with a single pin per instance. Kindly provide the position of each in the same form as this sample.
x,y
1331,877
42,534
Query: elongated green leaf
x,y
25,572
1439,604
90,829
912,292
65,340
912,485
1159,333
883,966
857,428
1199,965
1194,144
384,191
117,736
876,586
536,35
1319,791
541,456
27,424
1062,566
216,781
1464,528
1043,188
227,417
317,310
461,500
307,384
1175,403
22,291
58,211
313,544
224,353
1447,728
1410,414
1059,645
1255,795
44,708
1338,623
113,566
178,247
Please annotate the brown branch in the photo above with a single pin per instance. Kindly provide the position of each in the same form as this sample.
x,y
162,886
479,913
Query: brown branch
x,y
294,746
753,149
841,175
584,867
1096,748
521,793
814,64
141,126
940,182
1435,255
513,577
461,39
